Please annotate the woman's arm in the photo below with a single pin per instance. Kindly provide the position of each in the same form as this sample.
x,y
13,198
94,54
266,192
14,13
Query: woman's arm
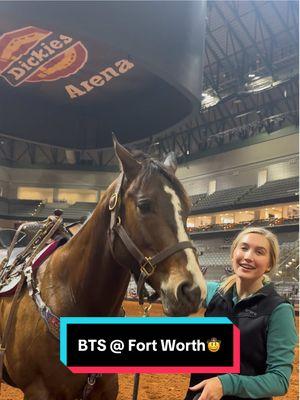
x,y
281,342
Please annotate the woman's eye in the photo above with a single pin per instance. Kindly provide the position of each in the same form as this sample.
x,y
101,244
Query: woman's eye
x,y
144,206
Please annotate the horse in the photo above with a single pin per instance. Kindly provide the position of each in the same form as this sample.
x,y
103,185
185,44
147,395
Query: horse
x,y
140,221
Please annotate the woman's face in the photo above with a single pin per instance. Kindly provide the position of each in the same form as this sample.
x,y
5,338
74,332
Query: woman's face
x,y
251,257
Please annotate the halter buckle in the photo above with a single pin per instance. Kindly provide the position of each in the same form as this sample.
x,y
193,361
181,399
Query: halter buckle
x,y
113,201
148,263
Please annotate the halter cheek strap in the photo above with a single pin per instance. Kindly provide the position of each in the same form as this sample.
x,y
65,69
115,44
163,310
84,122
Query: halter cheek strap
x,y
145,266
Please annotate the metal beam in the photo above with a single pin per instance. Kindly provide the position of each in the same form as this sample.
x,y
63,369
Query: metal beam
x,y
264,58
226,59
262,18
45,154
293,38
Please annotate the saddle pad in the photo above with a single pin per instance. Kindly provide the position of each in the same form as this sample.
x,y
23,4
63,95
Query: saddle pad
x,y
9,289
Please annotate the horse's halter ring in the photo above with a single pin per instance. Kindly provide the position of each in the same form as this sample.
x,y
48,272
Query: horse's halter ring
x,y
146,265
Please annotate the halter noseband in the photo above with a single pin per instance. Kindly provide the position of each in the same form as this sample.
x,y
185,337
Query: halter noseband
x,y
146,265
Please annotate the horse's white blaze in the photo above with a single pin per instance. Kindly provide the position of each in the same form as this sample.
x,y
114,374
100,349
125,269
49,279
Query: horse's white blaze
x,y
192,263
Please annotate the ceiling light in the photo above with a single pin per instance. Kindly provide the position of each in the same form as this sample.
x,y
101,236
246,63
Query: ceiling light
x,y
260,83
244,114
209,98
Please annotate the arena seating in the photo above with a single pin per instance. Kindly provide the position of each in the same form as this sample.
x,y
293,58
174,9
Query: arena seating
x,y
22,209
78,210
234,198
47,209
279,190
269,222
196,200
243,196
216,259
220,199
217,264
3,206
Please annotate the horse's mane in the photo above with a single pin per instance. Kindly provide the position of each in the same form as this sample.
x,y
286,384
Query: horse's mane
x,y
151,166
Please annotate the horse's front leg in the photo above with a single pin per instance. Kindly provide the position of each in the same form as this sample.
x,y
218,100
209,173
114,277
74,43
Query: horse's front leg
x,y
37,391
106,388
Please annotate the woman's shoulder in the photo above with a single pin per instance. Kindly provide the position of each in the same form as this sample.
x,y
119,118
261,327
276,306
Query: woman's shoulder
x,y
282,317
283,309
281,326
212,288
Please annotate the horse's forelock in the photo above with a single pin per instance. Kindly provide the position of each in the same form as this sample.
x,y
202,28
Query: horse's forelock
x,y
152,167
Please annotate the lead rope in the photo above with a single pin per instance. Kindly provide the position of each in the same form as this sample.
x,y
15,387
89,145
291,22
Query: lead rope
x,y
136,379
89,386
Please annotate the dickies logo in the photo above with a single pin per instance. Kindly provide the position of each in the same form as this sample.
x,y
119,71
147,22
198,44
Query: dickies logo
x,y
32,54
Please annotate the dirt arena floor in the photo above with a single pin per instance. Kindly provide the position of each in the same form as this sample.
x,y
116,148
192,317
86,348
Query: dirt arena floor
x,y
160,387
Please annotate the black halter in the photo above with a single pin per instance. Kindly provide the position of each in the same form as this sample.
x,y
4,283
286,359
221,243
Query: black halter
x,y
145,266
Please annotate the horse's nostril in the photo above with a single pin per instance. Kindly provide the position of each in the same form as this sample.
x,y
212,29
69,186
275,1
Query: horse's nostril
x,y
183,289
187,293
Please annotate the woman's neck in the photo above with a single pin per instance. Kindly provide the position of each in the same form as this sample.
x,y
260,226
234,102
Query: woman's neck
x,y
245,289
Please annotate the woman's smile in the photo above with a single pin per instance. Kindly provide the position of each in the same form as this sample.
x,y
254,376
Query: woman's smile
x,y
246,266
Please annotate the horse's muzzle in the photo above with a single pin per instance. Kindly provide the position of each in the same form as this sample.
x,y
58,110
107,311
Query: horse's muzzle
x,y
186,293
187,300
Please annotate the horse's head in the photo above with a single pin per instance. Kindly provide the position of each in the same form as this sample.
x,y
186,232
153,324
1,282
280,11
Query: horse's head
x,y
154,211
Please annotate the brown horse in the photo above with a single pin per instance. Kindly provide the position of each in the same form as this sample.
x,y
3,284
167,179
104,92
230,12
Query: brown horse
x,y
88,276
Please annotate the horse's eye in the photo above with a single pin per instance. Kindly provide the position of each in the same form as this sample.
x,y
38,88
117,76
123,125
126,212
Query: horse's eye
x,y
144,206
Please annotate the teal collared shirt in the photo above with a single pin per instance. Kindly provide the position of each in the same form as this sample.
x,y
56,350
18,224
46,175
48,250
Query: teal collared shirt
x,y
281,342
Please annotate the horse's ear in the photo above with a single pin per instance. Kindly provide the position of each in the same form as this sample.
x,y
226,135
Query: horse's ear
x,y
171,162
128,164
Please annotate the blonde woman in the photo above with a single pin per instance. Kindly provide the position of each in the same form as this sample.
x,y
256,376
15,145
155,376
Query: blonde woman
x,y
265,320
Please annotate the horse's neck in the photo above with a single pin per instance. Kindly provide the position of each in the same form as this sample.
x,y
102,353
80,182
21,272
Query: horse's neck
x,y
93,283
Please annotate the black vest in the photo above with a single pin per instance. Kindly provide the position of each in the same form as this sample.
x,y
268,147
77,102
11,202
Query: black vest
x,y
251,316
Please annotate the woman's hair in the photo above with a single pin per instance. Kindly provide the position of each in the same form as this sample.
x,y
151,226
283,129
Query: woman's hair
x,y
274,253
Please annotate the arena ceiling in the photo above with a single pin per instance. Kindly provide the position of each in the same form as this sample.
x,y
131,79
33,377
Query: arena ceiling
x,y
250,83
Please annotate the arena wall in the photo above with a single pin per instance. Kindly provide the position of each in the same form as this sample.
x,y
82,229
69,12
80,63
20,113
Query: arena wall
x,y
239,167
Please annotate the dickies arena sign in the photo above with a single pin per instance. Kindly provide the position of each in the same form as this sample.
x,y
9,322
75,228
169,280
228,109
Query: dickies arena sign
x,y
32,54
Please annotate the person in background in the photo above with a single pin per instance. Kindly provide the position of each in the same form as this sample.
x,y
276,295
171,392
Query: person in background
x,y
266,322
